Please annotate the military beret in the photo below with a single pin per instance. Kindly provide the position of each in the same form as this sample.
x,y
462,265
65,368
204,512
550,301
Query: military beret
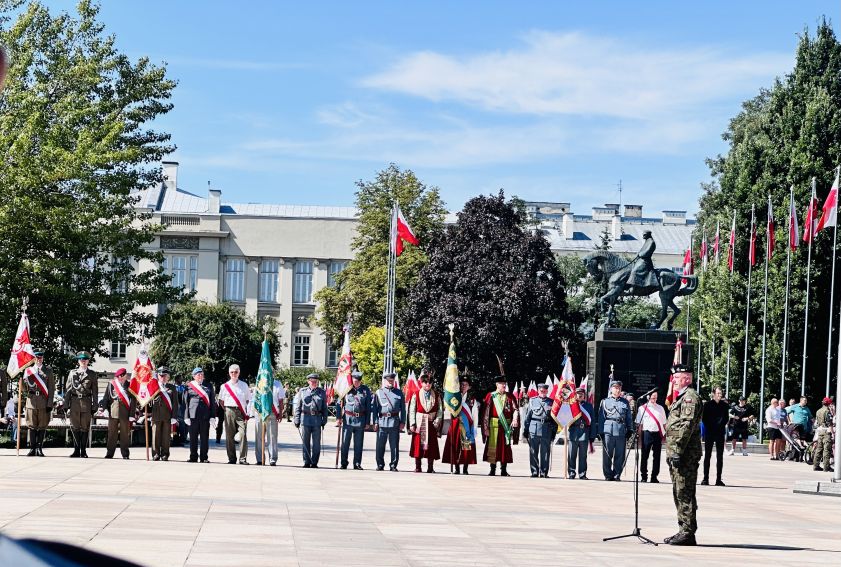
x,y
356,375
827,401
543,386
163,370
312,376
500,379
197,370
616,384
38,352
389,375
120,372
83,355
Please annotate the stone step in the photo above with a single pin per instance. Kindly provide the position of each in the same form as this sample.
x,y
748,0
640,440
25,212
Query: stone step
x,y
818,487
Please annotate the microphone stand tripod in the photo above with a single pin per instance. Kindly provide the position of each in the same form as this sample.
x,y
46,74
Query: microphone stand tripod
x,y
637,533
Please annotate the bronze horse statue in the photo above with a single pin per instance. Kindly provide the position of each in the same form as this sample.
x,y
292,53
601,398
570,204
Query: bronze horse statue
x,y
616,270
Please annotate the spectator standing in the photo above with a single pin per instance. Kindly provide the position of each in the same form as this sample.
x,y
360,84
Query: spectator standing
x,y
800,416
741,416
11,415
651,417
715,416
772,426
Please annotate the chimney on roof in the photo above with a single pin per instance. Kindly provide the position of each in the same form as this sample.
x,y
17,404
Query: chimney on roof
x,y
170,174
214,199
616,227
568,225
633,211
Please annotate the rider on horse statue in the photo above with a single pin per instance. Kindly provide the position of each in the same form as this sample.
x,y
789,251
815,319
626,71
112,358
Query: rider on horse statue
x,y
642,271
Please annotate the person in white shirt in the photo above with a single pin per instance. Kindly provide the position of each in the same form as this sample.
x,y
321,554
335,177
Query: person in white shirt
x,y
11,417
278,399
234,396
651,419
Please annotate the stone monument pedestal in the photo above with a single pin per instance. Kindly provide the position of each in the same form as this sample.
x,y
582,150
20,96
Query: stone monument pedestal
x,y
641,359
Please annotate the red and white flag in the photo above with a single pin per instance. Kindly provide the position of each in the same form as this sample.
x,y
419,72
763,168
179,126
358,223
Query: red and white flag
x,y
532,391
565,407
144,386
687,264
717,242
732,247
704,252
401,231
412,386
810,224
793,228
752,246
344,382
22,353
830,207
771,239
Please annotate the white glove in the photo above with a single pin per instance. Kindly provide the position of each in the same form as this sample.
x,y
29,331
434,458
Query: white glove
x,y
173,421
187,420
139,419
106,414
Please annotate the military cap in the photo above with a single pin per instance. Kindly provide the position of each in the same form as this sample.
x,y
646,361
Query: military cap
x,y
356,375
681,369
197,370
464,378
500,379
389,375
163,370
616,384
312,376
742,398
581,390
543,386
83,355
425,378
38,352
120,372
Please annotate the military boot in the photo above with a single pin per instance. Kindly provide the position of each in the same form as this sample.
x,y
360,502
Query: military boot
x,y
33,443
493,470
682,539
503,470
465,469
41,435
83,444
457,469
429,468
418,465
76,453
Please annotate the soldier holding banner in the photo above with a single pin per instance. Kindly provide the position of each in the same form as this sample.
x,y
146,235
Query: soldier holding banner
x,y
581,434
539,429
81,396
234,396
426,414
269,437
120,405
199,405
355,415
164,410
460,446
502,417
39,386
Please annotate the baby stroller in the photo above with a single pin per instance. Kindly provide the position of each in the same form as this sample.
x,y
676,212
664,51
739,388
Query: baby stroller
x,y
795,447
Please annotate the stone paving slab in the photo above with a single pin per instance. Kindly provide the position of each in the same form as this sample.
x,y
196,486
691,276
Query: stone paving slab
x,y
220,514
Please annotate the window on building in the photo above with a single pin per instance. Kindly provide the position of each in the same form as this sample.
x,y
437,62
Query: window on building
x,y
118,349
194,272
183,269
235,279
268,280
301,352
335,267
332,355
121,265
302,292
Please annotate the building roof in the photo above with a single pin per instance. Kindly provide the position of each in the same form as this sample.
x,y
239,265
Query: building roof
x,y
670,238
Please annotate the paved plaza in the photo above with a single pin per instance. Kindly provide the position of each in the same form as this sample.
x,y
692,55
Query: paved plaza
x,y
178,513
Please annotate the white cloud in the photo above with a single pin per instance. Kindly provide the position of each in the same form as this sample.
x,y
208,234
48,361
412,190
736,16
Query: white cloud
x,y
579,74
232,64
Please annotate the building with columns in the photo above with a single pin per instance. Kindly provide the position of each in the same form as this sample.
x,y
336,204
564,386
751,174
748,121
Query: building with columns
x,y
269,260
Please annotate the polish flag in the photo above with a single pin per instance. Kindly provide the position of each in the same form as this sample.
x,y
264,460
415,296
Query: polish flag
x,y
771,239
402,232
22,353
752,247
717,241
565,408
793,228
687,264
830,207
554,388
532,392
732,247
704,252
412,386
811,218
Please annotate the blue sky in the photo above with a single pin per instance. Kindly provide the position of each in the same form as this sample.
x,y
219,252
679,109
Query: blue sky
x,y
293,102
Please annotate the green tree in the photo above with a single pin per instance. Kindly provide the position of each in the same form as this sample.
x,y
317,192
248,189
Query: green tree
x,y
77,142
783,137
212,337
367,351
501,287
361,287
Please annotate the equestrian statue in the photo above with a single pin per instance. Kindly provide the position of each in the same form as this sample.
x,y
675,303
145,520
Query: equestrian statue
x,y
638,278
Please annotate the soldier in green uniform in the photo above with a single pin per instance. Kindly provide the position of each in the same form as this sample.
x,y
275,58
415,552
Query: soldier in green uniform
x,y
823,427
39,386
120,405
162,416
81,396
683,450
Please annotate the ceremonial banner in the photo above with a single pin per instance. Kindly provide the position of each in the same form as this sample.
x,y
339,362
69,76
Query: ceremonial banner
x,y
144,386
565,408
412,387
263,398
452,389
793,228
344,382
532,391
22,353
671,394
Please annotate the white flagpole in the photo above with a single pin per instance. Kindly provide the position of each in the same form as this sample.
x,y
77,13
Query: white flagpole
x,y
837,475
808,282
688,297
751,242
389,312
768,252
730,308
832,287
788,278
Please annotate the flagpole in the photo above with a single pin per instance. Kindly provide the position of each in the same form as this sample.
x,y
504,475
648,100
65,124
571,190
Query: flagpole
x,y
747,302
727,374
698,387
389,314
688,297
788,278
17,417
832,289
768,251
837,475
811,229
730,253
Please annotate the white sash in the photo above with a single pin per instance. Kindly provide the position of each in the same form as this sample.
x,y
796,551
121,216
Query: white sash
x,y
118,388
31,372
165,395
200,391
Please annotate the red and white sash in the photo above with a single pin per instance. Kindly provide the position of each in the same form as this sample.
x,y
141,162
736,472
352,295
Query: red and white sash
x,y
657,421
236,399
165,396
121,393
275,409
200,391
36,377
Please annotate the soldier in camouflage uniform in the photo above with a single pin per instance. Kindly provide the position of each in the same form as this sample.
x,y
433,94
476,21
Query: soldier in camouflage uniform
x,y
683,450
823,428
80,400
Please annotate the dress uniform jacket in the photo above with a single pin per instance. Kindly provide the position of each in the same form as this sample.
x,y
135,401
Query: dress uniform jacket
x,y
683,439
615,421
540,428
388,413
199,413
162,416
311,415
39,404
119,415
355,412
81,395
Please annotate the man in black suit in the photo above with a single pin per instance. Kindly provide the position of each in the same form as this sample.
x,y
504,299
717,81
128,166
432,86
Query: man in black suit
x,y
199,407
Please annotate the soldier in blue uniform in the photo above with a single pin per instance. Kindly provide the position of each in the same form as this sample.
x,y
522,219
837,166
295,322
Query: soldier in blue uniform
x,y
355,414
389,418
311,413
582,433
615,425
539,428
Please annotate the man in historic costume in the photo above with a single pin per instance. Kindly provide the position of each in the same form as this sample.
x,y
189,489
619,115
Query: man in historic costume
x,y
683,453
278,400
426,414
502,417
311,417
80,399
642,271
615,425
460,445
39,386
120,406
355,415
234,396
651,419
539,429
581,434
389,418
164,410
199,407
